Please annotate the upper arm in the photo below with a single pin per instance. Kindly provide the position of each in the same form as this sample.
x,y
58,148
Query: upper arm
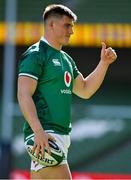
x,y
78,86
31,65
29,70
26,85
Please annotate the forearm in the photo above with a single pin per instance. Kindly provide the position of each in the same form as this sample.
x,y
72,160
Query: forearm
x,y
95,79
29,111
86,87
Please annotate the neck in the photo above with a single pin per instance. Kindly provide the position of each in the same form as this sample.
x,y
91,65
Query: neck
x,y
51,40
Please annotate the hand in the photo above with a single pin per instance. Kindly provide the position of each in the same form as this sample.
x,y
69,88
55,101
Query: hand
x,y
41,142
108,55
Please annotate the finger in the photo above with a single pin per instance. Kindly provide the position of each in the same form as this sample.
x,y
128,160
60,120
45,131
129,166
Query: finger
x,y
33,149
110,48
37,150
115,55
110,52
48,149
112,56
42,151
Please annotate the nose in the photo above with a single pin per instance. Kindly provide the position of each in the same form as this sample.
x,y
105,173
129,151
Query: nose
x,y
71,30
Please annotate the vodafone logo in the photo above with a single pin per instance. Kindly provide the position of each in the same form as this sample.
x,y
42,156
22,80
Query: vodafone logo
x,y
67,78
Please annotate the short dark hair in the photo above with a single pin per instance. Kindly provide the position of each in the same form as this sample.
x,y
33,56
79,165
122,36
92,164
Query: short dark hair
x,y
58,10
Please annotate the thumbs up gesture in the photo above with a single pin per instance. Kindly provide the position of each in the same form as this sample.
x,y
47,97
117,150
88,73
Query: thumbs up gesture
x,y
108,55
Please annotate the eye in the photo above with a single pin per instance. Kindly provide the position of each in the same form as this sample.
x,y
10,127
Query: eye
x,y
68,26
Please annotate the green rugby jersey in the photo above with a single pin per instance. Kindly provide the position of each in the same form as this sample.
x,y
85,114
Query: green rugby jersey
x,y
55,71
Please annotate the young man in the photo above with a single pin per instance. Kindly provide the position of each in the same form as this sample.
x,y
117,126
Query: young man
x,y
47,78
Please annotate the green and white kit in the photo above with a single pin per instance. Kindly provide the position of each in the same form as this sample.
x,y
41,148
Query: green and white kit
x,y
55,72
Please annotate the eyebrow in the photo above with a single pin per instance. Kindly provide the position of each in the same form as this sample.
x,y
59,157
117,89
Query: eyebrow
x,y
71,24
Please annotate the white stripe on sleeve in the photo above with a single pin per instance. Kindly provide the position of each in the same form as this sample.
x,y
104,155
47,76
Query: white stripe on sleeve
x,y
29,75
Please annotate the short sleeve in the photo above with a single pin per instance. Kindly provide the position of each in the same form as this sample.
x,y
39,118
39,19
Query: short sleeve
x,y
75,69
30,65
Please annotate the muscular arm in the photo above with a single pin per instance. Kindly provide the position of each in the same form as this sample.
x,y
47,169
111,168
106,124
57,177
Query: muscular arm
x,y
86,87
26,89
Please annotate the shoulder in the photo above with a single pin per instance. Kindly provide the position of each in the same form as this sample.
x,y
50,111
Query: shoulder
x,y
33,53
67,55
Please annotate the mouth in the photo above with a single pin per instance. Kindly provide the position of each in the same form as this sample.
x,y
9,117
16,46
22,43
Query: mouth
x,y
68,37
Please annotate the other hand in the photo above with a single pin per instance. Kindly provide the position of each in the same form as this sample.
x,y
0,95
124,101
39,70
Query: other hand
x,y
41,142
108,55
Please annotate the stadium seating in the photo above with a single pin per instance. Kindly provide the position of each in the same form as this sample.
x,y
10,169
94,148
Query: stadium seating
x,y
87,10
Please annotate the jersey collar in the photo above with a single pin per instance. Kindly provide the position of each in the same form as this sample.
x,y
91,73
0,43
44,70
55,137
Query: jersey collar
x,y
43,39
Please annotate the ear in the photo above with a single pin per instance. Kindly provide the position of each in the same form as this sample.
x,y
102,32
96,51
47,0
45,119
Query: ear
x,y
51,23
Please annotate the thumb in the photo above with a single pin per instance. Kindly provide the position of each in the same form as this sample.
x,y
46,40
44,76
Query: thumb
x,y
103,49
103,46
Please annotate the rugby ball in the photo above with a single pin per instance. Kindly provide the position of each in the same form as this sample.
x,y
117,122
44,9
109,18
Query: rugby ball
x,y
55,158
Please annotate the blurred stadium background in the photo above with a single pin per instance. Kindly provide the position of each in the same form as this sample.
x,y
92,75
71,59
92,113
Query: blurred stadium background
x,y
101,136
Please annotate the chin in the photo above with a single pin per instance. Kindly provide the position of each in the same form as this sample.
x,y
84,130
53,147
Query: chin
x,y
65,42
